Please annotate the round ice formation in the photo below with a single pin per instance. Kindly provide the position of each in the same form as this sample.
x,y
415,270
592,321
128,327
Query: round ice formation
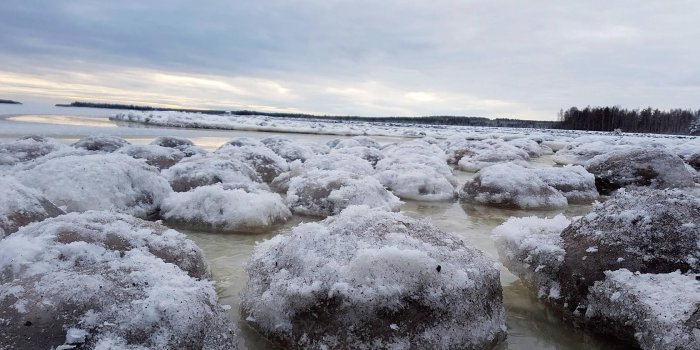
x,y
157,156
532,148
101,143
327,192
222,208
27,148
288,149
370,154
511,186
416,182
654,232
266,163
573,181
98,278
20,205
209,169
181,144
639,167
98,181
340,161
373,279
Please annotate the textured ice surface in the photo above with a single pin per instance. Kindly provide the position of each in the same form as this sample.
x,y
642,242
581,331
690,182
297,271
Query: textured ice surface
x,y
573,181
113,182
108,277
101,143
266,163
20,205
181,144
222,208
639,167
157,156
327,192
27,148
288,149
373,279
509,185
209,169
662,309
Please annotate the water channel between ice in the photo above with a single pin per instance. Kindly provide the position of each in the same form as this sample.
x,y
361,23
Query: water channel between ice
x,y
530,324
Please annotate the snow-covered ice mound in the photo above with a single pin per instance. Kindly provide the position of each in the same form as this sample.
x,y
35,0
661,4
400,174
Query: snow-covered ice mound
x,y
101,143
157,156
266,163
483,158
509,185
373,279
209,169
533,148
573,181
651,231
98,278
181,144
416,182
113,182
352,142
370,154
666,312
471,156
639,167
288,149
578,153
339,161
20,205
27,148
327,192
223,208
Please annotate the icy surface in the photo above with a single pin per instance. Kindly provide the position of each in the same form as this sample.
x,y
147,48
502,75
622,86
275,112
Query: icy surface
x,y
20,205
574,182
531,248
340,161
101,143
328,192
26,149
511,186
219,207
288,149
157,156
181,144
114,277
209,169
266,163
665,312
373,279
98,181
639,167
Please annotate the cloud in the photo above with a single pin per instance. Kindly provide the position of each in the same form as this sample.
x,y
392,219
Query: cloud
x,y
495,58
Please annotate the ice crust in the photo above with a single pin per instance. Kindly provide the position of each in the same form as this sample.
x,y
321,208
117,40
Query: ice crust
x,y
21,205
225,208
113,182
209,169
373,279
110,278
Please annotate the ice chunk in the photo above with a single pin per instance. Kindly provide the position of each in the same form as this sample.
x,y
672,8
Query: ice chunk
x,y
27,148
20,205
209,169
266,163
101,143
287,148
157,156
218,207
573,181
98,181
373,279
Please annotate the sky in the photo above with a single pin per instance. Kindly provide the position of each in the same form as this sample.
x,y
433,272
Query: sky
x,y
496,58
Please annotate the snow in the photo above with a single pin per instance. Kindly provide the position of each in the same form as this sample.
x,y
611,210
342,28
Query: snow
x,y
332,283
157,156
181,144
340,161
511,186
209,169
221,208
20,205
27,148
370,154
663,306
107,277
98,182
327,192
573,181
266,163
639,167
101,143
288,149
531,248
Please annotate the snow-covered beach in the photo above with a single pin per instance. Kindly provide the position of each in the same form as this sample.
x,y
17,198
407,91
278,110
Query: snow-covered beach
x,y
367,236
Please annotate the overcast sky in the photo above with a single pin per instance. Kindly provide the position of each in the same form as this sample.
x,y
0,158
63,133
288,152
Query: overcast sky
x,y
496,58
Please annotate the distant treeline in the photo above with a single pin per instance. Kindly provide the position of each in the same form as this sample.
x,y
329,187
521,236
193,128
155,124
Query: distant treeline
x,y
10,102
648,120
429,120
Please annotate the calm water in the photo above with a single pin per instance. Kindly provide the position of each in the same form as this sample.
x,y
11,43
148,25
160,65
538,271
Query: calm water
x,y
530,324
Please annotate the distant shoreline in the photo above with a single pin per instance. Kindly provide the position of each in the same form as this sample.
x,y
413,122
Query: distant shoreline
x,y
10,102
427,120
